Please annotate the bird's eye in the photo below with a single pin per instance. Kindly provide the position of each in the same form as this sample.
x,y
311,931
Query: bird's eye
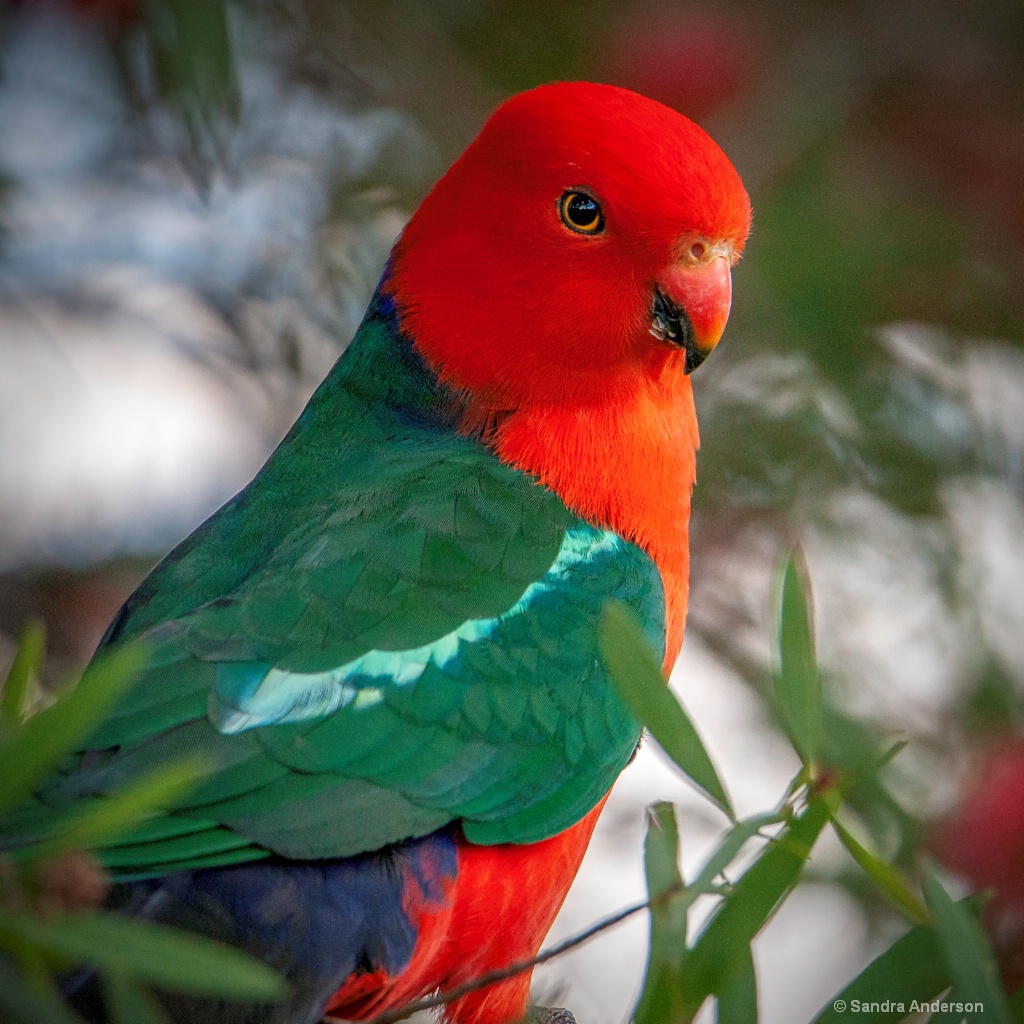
x,y
581,213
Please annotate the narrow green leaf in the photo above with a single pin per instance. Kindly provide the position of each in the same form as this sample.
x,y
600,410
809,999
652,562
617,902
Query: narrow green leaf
x,y
146,952
26,669
636,673
114,817
195,57
911,970
798,683
889,882
20,1003
890,753
129,1003
728,850
661,851
48,736
661,997
966,951
724,943
737,1002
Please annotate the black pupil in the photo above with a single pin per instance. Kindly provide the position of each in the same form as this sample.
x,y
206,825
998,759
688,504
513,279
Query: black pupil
x,y
582,211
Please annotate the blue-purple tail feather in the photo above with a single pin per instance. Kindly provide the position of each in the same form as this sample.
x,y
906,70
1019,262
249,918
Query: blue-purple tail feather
x,y
316,922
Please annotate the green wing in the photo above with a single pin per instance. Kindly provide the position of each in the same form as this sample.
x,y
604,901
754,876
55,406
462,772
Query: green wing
x,y
388,630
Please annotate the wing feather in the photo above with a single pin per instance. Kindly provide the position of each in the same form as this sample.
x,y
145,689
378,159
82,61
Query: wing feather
x,y
387,631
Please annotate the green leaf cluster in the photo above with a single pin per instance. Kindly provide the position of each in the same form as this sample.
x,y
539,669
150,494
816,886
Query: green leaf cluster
x,y
40,942
943,960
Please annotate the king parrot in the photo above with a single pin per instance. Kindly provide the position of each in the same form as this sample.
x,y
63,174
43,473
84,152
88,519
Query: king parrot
x,y
386,644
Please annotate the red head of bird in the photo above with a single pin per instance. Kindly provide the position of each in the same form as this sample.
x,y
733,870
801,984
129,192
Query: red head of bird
x,y
531,271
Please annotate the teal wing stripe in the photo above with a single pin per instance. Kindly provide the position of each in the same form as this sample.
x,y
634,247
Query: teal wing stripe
x,y
511,774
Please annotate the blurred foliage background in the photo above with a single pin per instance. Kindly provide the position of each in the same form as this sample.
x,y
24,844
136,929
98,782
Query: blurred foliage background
x,y
196,199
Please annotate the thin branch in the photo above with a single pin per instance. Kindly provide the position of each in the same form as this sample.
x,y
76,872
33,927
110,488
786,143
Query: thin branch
x,y
492,977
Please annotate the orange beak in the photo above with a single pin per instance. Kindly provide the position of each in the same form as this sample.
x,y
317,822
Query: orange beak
x,y
691,307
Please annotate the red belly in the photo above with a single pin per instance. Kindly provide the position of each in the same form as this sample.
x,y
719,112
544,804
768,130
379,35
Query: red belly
x,y
499,909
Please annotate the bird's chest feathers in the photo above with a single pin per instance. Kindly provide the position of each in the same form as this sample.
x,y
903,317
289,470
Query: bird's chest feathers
x,y
628,465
